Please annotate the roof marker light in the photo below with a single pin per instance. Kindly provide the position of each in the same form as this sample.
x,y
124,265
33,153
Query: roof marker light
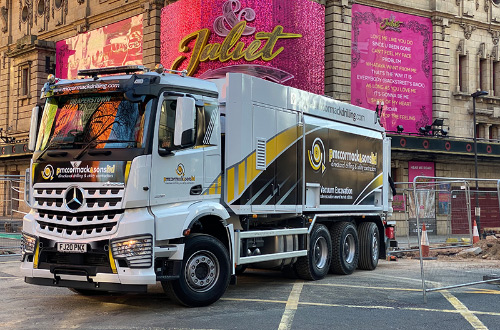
x,y
159,68
51,78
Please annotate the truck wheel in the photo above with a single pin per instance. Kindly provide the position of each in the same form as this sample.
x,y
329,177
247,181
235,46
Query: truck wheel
x,y
204,273
369,240
345,248
315,265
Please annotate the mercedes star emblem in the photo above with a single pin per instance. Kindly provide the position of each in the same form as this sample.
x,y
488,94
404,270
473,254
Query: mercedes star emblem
x,y
74,198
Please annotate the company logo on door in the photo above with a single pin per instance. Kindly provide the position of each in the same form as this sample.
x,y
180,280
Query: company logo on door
x,y
182,178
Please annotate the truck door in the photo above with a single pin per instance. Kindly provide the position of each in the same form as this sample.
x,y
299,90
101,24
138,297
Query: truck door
x,y
275,139
287,186
177,173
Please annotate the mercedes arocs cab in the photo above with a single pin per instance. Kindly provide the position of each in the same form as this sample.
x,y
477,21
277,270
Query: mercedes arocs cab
x,y
142,177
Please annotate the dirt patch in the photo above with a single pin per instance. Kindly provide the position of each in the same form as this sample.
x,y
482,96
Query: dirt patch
x,y
489,249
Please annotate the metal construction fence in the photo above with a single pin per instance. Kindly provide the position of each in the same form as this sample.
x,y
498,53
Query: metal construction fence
x,y
12,209
448,208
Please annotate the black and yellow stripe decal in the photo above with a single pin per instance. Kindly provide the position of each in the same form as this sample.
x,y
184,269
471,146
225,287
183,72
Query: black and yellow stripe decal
x,y
36,256
127,170
215,187
370,188
112,262
241,175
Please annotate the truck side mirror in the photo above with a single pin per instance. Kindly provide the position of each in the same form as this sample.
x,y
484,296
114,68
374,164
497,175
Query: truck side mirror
x,y
33,128
184,121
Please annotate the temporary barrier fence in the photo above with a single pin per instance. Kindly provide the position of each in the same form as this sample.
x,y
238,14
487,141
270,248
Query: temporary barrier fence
x,y
456,256
12,209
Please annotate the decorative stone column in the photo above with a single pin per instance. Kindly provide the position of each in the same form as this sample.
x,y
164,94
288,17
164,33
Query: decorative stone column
x,y
487,132
441,68
338,49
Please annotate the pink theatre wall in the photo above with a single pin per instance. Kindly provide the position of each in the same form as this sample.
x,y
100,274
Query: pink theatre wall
x,y
391,62
279,40
116,44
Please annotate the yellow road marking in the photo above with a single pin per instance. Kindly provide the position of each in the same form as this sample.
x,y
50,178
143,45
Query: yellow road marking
x,y
255,300
416,309
484,291
464,311
365,287
291,307
10,262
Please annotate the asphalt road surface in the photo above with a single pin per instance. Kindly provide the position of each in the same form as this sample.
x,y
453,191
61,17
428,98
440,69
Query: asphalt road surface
x,y
388,298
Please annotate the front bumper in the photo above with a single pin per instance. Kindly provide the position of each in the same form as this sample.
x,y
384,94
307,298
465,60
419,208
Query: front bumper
x,y
93,270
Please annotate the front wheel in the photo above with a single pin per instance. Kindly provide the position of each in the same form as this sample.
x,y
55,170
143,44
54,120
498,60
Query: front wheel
x,y
205,273
345,248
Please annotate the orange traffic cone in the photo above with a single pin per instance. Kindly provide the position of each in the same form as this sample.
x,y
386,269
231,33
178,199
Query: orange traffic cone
x,y
475,233
424,243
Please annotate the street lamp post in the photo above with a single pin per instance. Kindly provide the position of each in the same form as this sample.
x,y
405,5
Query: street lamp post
x,y
477,211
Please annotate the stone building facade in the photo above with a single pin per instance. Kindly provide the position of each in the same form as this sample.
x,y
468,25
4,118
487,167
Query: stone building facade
x,y
465,58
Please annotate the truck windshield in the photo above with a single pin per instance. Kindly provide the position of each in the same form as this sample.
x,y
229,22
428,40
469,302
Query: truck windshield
x,y
106,121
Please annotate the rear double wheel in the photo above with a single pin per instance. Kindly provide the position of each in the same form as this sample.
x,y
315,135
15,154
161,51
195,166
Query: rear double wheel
x,y
345,248
315,265
368,245
205,272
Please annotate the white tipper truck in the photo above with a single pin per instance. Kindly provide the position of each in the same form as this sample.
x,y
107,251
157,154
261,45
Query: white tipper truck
x,y
142,177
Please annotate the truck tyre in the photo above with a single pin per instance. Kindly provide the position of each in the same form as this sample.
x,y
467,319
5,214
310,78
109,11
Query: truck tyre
x,y
369,241
205,272
315,265
345,248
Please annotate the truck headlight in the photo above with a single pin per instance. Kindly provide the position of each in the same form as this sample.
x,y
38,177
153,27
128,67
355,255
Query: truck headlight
x,y
137,251
28,243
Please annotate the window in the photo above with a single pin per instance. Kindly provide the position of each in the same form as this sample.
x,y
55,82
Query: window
x,y
106,120
25,76
206,124
25,14
41,7
167,124
496,75
483,74
462,73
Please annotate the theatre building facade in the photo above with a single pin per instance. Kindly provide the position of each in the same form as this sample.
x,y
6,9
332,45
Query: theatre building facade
x,y
416,63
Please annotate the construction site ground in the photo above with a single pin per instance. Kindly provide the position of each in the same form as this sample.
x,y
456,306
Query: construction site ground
x,y
455,248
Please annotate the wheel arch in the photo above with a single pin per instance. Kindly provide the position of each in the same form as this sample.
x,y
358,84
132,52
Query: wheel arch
x,y
213,225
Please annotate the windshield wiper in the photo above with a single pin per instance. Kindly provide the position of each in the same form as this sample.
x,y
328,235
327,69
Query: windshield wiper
x,y
96,142
51,145
116,141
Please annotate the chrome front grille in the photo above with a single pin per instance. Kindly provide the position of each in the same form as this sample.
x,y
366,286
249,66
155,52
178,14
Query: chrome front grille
x,y
96,199
98,215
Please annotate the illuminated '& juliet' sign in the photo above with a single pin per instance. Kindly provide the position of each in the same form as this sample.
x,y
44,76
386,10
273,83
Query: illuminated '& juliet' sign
x,y
282,40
